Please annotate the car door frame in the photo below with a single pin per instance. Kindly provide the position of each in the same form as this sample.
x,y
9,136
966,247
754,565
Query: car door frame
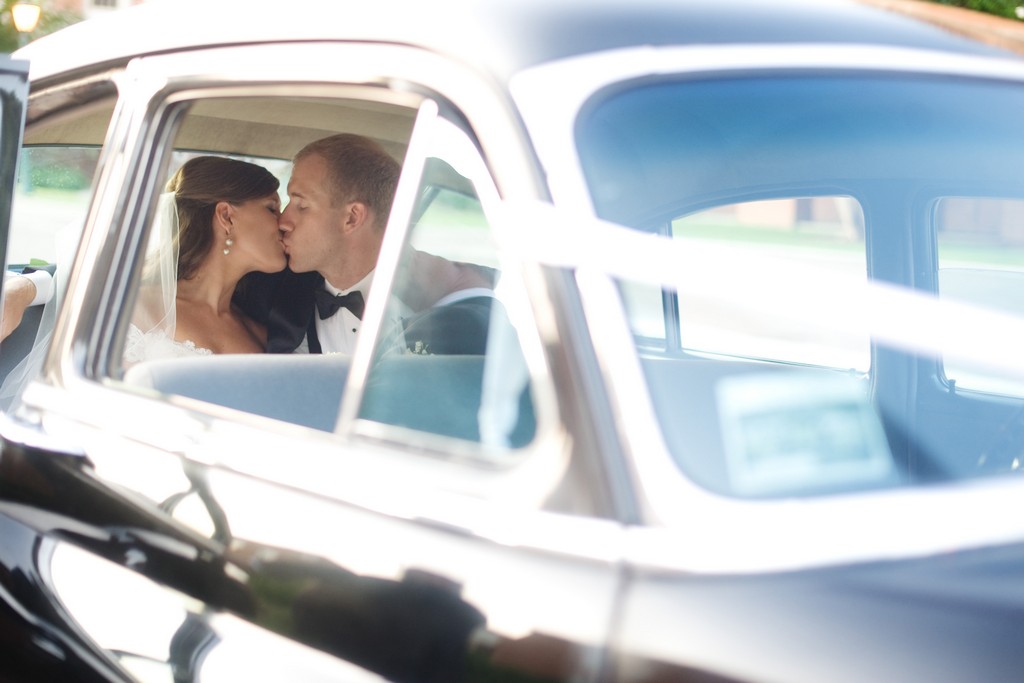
x,y
106,422
13,102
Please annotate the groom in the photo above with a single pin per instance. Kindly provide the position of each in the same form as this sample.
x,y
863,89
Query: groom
x,y
340,196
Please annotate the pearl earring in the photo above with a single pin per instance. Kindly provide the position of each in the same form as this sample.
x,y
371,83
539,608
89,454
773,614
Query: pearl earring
x,y
227,246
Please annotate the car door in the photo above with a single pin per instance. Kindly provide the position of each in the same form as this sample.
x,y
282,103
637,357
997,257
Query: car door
x,y
221,536
13,97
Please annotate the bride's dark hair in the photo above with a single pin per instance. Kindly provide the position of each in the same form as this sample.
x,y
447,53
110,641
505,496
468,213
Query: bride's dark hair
x,y
198,185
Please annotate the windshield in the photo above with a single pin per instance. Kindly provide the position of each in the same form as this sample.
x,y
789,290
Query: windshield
x,y
835,299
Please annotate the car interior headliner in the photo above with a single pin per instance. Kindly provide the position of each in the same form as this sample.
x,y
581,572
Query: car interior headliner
x,y
260,127
251,126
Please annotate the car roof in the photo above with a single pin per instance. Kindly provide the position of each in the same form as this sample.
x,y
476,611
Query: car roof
x,y
501,36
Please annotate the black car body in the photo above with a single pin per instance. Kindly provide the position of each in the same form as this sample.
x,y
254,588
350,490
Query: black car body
x,y
754,414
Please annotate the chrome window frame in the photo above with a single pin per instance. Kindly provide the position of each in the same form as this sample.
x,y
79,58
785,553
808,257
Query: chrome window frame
x,y
420,150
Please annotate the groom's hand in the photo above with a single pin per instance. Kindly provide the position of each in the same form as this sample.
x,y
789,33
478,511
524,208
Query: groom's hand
x,y
429,278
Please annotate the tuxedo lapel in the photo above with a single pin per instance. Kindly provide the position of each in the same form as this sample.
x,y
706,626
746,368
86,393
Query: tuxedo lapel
x,y
292,313
312,339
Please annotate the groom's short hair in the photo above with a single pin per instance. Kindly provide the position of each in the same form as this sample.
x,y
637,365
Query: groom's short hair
x,y
359,170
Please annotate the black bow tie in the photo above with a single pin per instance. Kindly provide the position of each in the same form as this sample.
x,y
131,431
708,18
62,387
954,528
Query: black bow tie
x,y
327,304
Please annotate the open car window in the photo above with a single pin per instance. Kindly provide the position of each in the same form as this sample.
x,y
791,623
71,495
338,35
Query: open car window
x,y
50,200
445,361
299,388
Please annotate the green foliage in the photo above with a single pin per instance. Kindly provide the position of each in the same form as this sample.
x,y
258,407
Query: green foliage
x,y
1002,8
57,168
59,178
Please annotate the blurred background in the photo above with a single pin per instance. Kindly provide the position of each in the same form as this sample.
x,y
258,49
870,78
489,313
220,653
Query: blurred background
x,y
22,21
25,20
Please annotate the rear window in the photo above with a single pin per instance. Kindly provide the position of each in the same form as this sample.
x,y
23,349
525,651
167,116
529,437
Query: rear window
x,y
850,269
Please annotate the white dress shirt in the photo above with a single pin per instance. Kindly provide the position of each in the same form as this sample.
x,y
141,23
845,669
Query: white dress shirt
x,y
338,333
41,279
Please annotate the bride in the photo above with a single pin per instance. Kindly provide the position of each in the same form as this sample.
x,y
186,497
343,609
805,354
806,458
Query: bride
x,y
216,223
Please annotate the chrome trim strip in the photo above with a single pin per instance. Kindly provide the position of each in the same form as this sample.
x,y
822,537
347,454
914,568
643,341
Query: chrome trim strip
x,y
23,433
504,507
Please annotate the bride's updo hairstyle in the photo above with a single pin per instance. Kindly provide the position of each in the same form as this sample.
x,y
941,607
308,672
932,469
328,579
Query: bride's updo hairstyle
x,y
198,186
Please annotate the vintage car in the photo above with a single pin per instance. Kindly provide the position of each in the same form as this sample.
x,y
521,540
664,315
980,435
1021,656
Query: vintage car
x,y
752,410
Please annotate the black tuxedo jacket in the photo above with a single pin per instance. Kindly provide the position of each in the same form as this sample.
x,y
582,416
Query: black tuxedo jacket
x,y
284,303
458,328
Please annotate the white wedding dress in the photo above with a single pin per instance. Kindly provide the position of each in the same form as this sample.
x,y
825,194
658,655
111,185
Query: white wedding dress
x,y
155,344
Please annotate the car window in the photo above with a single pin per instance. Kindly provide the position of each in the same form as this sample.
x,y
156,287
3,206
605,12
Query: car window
x,y
981,262
454,369
800,230
804,213
267,131
50,199
446,362
56,165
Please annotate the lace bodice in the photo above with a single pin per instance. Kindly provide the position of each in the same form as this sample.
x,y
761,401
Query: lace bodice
x,y
156,344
